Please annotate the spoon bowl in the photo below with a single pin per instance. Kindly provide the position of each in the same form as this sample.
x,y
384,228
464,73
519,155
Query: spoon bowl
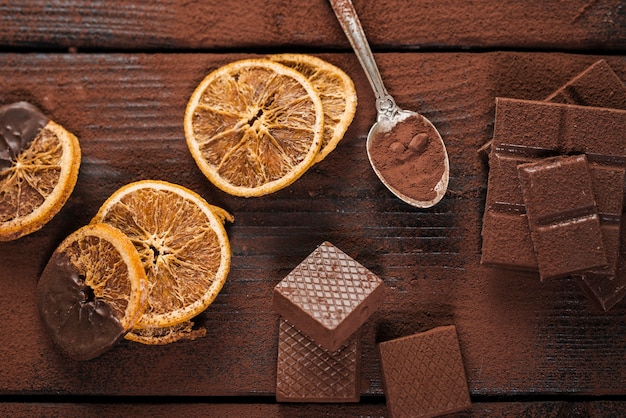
x,y
389,114
386,125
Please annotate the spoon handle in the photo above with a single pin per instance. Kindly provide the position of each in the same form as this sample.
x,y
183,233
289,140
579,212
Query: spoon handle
x,y
349,21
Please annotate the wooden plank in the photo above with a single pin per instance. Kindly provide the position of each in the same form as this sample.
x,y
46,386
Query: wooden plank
x,y
200,407
518,336
262,25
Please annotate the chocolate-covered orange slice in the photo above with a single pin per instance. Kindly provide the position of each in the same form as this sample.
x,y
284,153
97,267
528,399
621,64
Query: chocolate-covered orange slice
x,y
39,162
92,291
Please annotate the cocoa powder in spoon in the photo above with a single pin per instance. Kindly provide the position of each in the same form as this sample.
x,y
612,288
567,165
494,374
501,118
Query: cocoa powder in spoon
x,y
410,158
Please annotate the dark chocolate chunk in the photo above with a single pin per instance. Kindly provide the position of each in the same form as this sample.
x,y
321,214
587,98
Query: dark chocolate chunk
x,y
19,124
562,214
306,372
423,374
80,324
328,296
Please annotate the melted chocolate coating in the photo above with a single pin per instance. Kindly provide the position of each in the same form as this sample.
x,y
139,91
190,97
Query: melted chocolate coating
x,y
82,326
19,124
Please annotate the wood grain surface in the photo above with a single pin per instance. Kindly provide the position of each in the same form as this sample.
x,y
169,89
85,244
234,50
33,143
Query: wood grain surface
x,y
518,335
232,24
601,408
530,348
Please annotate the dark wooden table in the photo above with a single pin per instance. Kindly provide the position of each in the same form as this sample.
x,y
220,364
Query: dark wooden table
x,y
118,74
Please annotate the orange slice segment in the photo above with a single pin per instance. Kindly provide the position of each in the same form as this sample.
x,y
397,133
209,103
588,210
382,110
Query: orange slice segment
x,y
336,91
254,126
166,335
182,244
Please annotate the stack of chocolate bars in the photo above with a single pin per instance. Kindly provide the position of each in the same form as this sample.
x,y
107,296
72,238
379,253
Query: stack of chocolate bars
x,y
323,303
555,193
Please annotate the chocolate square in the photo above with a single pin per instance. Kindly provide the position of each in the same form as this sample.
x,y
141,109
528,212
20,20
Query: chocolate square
x,y
608,185
328,296
562,214
506,240
505,234
307,372
424,375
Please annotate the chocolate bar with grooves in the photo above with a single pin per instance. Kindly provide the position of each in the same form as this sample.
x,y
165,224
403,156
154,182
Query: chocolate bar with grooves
x,y
562,214
525,129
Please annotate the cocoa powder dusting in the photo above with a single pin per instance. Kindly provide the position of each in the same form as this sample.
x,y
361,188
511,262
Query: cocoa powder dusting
x,y
410,158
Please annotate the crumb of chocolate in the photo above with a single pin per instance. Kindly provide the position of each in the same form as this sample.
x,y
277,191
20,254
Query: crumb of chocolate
x,y
397,147
419,143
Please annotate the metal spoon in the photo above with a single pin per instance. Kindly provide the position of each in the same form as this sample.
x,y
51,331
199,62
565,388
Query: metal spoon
x,y
389,114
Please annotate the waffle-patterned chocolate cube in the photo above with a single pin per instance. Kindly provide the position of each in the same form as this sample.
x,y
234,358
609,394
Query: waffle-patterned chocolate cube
x,y
308,373
328,296
423,374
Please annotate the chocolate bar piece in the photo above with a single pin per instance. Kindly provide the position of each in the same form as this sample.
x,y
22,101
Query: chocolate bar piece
x,y
608,184
608,286
506,236
423,374
562,214
308,373
328,296
596,86
603,289
529,130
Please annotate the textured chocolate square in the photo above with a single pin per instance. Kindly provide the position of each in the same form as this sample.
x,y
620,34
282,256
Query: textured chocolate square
x,y
308,373
505,217
506,239
562,214
328,296
608,185
424,374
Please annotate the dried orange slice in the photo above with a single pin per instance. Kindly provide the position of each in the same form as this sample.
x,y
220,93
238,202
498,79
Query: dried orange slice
x,y
166,335
92,291
336,90
39,162
182,243
254,126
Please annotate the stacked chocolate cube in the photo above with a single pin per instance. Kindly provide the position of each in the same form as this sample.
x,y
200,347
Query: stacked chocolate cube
x,y
323,303
556,185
